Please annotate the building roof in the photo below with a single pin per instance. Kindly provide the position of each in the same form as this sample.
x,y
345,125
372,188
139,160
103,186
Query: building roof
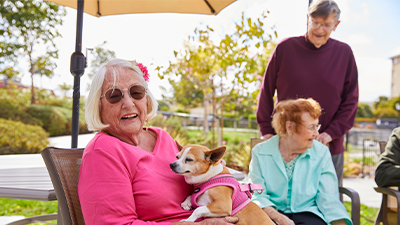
x,y
396,56
9,82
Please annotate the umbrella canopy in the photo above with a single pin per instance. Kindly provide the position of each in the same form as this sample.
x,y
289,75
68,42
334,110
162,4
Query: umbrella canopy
x,y
116,7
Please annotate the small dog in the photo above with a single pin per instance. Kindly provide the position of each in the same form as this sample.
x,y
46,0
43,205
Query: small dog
x,y
217,193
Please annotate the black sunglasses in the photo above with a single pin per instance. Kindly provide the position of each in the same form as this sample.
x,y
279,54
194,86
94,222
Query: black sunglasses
x,y
114,94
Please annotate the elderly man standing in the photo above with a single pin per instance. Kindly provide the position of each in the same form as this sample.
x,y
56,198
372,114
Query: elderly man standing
x,y
319,67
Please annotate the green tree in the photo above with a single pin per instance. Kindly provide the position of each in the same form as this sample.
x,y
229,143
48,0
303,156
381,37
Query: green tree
x,y
43,66
382,101
386,112
212,72
28,24
9,73
364,110
387,108
100,55
64,87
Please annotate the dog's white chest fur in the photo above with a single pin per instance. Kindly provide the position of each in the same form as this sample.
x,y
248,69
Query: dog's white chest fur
x,y
203,199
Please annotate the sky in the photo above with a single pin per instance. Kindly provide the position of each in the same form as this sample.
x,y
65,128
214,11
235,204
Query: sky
x,y
370,27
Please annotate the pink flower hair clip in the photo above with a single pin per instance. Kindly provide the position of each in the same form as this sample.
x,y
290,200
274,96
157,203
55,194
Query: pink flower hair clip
x,y
144,70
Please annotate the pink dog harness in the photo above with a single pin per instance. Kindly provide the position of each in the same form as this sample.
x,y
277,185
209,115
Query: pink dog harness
x,y
241,192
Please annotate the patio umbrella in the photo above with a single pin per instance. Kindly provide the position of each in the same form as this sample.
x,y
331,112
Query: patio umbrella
x,y
117,7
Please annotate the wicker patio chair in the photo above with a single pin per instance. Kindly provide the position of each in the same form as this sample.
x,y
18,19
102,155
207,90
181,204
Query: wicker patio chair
x,y
388,212
355,198
63,167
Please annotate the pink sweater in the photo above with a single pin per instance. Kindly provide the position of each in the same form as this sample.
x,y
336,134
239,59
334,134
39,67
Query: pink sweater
x,y
122,184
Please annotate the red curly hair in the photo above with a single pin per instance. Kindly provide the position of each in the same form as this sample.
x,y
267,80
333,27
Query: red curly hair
x,y
292,110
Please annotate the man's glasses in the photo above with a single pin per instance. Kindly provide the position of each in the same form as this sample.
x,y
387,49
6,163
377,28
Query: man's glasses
x,y
313,128
316,25
114,95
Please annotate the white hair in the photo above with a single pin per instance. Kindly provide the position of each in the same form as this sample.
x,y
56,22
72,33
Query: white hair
x,y
324,8
93,104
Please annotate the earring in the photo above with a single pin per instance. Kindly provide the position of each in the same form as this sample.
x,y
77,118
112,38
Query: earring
x,y
147,124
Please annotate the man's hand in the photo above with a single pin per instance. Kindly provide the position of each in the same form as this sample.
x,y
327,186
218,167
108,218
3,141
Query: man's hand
x,y
267,136
324,138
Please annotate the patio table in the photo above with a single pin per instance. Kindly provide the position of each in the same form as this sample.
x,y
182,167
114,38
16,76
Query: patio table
x,y
26,183
26,177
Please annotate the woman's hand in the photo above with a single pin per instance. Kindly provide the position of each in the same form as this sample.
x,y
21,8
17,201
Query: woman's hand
x,y
283,220
279,218
339,222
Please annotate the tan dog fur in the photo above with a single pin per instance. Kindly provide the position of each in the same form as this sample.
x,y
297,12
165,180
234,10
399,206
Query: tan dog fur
x,y
198,164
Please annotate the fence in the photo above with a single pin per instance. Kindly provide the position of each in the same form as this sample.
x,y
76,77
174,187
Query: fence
x,y
367,141
370,157
198,120
356,136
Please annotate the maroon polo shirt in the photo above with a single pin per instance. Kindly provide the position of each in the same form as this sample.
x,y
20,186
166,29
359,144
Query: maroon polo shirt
x,y
297,69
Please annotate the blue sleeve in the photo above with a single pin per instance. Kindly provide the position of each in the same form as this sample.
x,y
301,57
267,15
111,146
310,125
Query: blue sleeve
x,y
256,177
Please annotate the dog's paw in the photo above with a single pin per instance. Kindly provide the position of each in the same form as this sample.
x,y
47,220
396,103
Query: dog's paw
x,y
186,206
187,203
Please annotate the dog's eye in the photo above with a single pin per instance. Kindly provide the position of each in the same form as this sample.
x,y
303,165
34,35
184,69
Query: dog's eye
x,y
189,160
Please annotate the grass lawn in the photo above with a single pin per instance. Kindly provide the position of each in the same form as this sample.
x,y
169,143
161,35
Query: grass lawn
x,y
367,214
27,208
228,135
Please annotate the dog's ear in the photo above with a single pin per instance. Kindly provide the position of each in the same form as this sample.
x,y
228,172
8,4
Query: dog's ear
x,y
216,154
178,145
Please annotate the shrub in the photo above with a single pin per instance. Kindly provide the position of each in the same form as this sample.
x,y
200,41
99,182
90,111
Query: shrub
x,y
57,101
16,96
386,113
57,120
182,110
53,118
238,155
173,125
19,138
365,120
9,111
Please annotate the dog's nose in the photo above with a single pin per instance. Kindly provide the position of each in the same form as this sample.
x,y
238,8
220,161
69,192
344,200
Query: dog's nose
x,y
172,165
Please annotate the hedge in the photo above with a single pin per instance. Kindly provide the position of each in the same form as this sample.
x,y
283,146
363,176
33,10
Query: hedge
x,y
56,120
19,138
9,111
53,119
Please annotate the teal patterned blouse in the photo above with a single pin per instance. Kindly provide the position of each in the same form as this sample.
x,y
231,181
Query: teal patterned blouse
x,y
289,171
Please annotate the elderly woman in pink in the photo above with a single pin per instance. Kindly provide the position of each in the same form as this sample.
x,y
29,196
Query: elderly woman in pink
x,y
125,176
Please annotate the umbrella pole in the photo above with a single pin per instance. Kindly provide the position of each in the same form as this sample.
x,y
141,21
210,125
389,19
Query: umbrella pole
x,y
78,62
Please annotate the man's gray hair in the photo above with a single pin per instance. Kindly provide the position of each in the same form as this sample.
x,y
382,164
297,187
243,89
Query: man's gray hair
x,y
323,8
113,69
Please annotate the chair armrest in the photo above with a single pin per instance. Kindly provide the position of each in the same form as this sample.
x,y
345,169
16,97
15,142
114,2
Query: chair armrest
x,y
355,203
388,191
239,176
